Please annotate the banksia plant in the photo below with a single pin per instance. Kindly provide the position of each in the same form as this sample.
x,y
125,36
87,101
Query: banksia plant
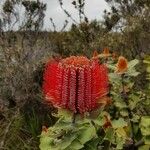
x,y
75,83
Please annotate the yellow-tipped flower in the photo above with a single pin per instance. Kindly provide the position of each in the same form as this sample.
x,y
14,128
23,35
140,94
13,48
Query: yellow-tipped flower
x,y
122,65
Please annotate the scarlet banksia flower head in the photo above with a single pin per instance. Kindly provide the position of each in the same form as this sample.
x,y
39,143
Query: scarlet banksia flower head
x,y
75,83
122,65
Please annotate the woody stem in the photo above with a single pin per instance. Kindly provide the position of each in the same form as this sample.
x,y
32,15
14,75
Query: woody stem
x,y
74,118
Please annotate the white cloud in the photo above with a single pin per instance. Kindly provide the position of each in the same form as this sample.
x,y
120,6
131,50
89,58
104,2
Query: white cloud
x,y
93,9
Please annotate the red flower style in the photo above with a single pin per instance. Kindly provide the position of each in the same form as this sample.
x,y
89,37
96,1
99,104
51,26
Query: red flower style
x,y
75,83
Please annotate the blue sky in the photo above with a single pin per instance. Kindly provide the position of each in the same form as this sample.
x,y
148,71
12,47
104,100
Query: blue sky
x,y
93,9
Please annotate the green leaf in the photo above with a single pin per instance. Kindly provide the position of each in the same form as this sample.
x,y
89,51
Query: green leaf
x,y
62,124
86,134
120,104
120,123
145,125
109,135
113,77
66,136
92,144
66,141
144,147
111,67
121,133
45,143
147,60
135,118
120,142
64,113
124,113
75,145
99,121
131,68
148,69
147,140
132,72
133,63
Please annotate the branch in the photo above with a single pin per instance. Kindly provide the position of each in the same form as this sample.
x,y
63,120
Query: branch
x,y
5,134
66,12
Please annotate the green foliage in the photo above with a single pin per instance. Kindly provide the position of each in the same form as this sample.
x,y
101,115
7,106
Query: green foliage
x,y
147,62
120,127
145,125
145,129
65,135
14,135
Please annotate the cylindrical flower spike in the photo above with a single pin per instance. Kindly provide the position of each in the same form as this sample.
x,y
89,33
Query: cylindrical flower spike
x,y
75,83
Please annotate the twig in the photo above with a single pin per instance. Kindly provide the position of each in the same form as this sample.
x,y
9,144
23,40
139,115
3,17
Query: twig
x,y
66,12
2,143
5,134
53,24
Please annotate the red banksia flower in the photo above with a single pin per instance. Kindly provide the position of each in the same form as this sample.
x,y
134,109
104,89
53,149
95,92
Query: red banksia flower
x,y
122,65
75,83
